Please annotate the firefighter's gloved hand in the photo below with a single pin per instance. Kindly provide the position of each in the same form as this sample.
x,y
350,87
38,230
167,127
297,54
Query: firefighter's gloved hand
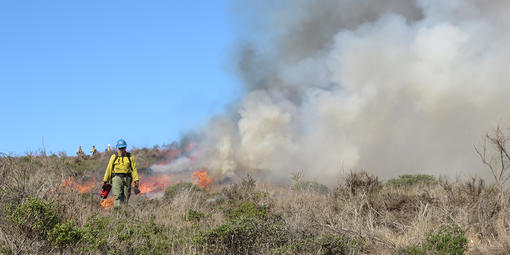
x,y
104,185
137,190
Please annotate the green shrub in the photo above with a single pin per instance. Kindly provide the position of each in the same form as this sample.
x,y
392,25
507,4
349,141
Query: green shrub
x,y
120,235
130,236
310,186
66,234
412,179
248,209
243,236
151,238
414,250
95,233
35,217
249,228
296,246
32,161
325,245
194,216
173,190
123,230
333,244
4,250
447,240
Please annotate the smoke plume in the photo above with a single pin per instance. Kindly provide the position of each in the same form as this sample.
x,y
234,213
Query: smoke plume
x,y
392,87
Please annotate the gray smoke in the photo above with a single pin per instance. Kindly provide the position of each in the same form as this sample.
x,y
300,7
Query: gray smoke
x,y
393,87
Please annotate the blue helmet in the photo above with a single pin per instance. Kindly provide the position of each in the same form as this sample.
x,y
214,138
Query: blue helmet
x,y
121,144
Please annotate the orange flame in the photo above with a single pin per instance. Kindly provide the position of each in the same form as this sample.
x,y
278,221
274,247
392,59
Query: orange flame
x,y
108,202
71,183
152,184
201,179
82,188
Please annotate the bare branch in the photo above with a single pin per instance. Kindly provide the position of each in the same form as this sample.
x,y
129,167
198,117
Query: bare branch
x,y
493,154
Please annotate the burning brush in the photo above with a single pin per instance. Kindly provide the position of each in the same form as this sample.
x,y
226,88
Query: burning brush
x,y
200,178
152,184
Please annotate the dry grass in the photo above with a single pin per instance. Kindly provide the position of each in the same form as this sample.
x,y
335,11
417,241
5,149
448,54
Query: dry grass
x,y
359,216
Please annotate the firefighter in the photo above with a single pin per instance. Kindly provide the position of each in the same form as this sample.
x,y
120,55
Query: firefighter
x,y
79,152
121,170
93,151
108,149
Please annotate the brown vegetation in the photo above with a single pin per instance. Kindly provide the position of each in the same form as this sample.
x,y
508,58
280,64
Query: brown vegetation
x,y
412,214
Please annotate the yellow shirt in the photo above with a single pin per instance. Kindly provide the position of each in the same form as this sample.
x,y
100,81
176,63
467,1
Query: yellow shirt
x,y
121,166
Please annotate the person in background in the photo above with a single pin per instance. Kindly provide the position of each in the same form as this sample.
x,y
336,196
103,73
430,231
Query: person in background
x,y
93,151
79,152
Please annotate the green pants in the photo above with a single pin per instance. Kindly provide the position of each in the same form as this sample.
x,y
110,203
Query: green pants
x,y
121,187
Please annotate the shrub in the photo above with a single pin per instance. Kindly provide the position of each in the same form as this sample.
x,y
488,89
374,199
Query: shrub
x,y
412,179
414,250
333,244
35,217
173,190
4,250
248,209
245,190
310,186
95,233
446,240
296,246
327,244
249,228
65,234
359,183
193,215
151,238
124,236
25,159
243,235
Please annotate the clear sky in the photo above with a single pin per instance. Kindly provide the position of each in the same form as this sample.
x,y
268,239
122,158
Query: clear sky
x,y
89,72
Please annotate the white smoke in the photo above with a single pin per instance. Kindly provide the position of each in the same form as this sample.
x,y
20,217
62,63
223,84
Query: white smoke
x,y
177,165
392,87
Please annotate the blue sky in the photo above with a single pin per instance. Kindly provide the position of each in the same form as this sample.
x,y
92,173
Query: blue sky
x,y
90,72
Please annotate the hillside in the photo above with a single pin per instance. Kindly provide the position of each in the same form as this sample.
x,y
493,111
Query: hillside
x,y
51,204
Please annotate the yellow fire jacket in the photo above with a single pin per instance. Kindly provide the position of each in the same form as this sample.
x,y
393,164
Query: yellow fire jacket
x,y
121,166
